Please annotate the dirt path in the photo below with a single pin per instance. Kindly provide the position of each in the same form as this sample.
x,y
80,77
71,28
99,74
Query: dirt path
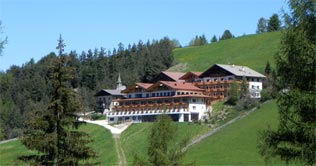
x,y
120,151
9,140
202,137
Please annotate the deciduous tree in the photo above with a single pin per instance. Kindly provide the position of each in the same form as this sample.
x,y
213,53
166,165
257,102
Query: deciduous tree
x,y
227,35
262,25
2,41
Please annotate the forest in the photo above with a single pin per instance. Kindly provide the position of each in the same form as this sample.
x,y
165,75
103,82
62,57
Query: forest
x,y
26,89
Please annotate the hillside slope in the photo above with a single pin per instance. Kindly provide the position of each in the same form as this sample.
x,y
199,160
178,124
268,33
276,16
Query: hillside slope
x,y
252,50
103,145
237,143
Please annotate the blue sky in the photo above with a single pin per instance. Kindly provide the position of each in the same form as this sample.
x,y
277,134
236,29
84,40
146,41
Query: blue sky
x,y
33,26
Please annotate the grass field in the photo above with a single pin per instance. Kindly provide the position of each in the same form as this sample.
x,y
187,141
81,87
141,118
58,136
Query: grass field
x,y
237,143
103,144
135,139
252,50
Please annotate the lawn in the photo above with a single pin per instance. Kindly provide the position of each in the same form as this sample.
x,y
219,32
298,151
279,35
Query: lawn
x,y
135,139
252,50
237,143
103,144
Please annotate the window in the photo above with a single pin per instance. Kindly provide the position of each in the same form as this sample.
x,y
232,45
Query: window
x,y
193,100
194,107
257,87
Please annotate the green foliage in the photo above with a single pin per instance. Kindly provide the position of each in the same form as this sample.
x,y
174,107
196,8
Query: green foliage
x,y
162,148
198,41
103,144
246,103
135,140
262,25
274,23
97,116
243,88
214,39
267,69
252,51
2,41
50,132
233,94
11,120
295,137
227,35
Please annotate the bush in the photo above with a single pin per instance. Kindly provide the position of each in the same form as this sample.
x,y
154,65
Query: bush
x,y
246,103
96,116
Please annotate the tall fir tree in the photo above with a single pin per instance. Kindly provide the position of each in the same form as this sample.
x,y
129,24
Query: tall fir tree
x,y
295,137
274,23
214,39
53,132
267,69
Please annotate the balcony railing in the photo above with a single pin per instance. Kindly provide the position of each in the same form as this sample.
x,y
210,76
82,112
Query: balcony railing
x,y
150,107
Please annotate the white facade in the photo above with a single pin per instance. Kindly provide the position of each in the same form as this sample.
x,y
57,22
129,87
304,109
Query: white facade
x,y
255,86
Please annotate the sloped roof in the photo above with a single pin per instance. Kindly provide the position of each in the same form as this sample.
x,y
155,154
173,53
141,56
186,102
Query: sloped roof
x,y
233,69
142,85
180,85
109,92
190,74
240,70
174,75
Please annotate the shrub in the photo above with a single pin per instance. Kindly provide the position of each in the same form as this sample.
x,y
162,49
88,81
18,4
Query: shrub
x,y
96,116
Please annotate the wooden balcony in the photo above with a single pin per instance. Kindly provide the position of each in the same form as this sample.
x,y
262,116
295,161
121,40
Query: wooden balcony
x,y
151,107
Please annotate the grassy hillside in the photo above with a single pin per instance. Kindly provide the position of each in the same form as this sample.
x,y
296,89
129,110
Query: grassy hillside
x,y
253,51
103,144
135,139
236,144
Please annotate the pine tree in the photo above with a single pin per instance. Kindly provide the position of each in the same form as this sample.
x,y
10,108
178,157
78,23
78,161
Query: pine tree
x,y
267,69
214,39
295,137
53,132
274,23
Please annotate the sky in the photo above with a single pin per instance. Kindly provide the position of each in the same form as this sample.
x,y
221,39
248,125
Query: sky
x,y
33,26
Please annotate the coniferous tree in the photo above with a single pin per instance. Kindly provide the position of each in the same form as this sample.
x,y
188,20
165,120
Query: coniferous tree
x,y
214,39
295,138
52,132
262,25
267,69
274,23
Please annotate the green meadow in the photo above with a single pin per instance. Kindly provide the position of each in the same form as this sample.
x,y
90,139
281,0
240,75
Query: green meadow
x,y
237,143
103,144
252,50
135,139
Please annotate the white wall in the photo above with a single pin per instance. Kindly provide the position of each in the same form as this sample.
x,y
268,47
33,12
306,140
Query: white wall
x,y
198,106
